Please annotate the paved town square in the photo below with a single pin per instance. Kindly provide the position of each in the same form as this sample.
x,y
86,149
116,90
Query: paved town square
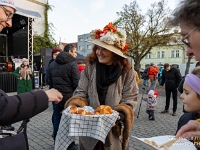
x,y
40,127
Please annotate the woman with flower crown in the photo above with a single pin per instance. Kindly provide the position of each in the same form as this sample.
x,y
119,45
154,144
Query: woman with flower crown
x,y
108,79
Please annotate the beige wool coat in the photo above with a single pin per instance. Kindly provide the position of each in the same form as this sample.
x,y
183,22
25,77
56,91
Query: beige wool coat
x,y
123,91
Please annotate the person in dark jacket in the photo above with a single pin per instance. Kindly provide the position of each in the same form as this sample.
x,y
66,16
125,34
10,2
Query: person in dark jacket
x,y
42,72
54,54
171,77
145,77
35,67
63,76
26,105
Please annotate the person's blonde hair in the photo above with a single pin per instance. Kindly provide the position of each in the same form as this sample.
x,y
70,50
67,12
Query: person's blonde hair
x,y
196,71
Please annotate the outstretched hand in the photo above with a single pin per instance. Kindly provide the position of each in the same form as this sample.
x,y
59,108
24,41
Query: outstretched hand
x,y
54,95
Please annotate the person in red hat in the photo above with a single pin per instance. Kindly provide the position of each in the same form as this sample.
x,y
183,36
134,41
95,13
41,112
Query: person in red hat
x,y
54,54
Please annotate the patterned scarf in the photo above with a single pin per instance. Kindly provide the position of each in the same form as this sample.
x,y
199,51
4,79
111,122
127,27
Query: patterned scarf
x,y
105,76
24,73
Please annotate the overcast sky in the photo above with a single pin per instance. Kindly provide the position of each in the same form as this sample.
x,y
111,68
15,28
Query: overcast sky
x,y
75,17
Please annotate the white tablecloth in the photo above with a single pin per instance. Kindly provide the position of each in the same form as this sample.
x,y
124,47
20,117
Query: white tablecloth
x,y
71,125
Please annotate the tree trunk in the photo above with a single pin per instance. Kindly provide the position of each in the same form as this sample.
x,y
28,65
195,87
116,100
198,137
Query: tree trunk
x,y
137,66
188,65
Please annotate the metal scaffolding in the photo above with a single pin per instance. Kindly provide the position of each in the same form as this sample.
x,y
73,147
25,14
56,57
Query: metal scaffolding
x,y
30,41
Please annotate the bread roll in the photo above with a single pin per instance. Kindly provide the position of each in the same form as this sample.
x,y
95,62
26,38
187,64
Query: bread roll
x,y
108,109
103,109
89,113
81,112
97,113
73,109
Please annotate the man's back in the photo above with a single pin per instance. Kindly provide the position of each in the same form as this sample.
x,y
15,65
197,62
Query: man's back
x,y
63,74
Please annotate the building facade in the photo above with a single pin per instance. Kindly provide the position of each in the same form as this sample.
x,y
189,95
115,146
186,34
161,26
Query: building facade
x,y
84,47
174,55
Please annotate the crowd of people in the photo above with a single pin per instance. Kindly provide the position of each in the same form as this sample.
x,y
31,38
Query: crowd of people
x,y
107,79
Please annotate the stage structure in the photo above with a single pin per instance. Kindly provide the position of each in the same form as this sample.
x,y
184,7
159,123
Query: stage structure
x,y
16,42
26,18
31,15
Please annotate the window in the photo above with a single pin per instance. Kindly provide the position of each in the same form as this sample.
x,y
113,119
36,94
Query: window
x,y
148,56
80,39
89,46
172,54
158,54
163,54
177,53
81,48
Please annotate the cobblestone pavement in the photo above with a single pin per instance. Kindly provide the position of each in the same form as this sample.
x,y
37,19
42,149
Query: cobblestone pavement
x,y
40,127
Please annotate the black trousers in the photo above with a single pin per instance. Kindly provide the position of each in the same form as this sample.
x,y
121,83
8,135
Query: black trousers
x,y
174,96
150,112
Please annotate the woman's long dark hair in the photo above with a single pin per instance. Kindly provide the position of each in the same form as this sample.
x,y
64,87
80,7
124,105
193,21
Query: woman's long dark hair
x,y
123,63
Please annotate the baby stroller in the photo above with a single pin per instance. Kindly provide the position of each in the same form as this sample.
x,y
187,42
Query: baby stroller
x,y
11,140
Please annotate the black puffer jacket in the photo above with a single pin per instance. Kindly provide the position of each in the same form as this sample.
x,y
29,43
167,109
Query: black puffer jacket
x,y
145,76
171,78
63,74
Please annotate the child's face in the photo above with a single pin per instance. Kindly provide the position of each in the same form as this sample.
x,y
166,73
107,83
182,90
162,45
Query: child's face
x,y
149,96
190,100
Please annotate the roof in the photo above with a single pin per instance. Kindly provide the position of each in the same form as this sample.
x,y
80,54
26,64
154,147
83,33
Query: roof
x,y
28,13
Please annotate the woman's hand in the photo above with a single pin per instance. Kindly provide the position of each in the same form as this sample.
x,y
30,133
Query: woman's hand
x,y
54,95
29,71
118,119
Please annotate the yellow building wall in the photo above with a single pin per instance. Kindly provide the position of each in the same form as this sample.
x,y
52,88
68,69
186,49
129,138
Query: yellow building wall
x,y
167,56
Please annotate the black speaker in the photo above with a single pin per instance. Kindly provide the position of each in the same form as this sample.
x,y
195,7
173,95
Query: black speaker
x,y
46,52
